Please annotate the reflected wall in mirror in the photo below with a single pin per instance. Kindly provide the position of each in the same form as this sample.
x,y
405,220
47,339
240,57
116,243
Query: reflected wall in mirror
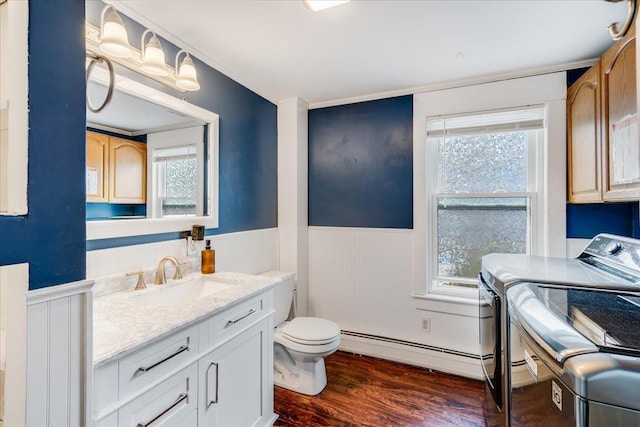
x,y
13,107
152,161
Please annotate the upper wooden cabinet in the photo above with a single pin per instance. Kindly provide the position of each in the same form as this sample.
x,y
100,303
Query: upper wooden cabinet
x,y
602,128
116,170
584,136
621,162
128,169
97,167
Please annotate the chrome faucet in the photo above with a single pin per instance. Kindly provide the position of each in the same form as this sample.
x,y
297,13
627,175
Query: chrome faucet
x,y
160,276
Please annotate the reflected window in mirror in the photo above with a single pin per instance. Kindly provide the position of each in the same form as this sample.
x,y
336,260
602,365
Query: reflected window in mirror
x,y
177,173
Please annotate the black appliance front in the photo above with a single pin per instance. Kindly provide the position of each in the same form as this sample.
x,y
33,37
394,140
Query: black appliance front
x,y
491,352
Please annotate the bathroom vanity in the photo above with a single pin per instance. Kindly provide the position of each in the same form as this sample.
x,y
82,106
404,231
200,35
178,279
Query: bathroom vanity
x,y
197,351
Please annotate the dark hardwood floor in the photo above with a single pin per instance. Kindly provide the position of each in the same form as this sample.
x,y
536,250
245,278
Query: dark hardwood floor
x,y
363,391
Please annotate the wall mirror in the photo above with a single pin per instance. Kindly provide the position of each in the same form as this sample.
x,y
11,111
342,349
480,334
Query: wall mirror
x,y
14,116
152,161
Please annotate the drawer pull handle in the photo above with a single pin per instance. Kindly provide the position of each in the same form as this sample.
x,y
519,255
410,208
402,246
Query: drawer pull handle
x,y
209,393
143,369
181,398
234,321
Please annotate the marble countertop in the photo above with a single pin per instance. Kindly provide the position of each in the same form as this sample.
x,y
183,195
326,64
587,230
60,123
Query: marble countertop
x,y
125,321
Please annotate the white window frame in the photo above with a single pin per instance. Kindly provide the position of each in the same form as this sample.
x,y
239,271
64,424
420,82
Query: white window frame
x,y
434,282
548,90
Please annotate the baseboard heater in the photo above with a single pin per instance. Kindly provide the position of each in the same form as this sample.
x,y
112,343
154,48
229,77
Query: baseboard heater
x,y
411,344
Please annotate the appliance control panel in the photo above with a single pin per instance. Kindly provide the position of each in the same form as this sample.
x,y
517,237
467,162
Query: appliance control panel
x,y
615,251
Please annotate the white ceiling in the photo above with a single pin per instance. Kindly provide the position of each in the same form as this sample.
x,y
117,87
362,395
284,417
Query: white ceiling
x,y
280,49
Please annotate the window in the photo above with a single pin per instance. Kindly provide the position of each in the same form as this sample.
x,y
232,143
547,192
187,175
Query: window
x,y
483,191
176,172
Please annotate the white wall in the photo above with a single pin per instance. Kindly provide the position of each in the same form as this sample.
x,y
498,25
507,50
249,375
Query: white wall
x,y
362,279
244,252
293,194
14,282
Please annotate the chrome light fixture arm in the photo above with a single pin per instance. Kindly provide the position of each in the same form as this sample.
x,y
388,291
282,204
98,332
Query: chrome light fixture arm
x,y
614,29
94,60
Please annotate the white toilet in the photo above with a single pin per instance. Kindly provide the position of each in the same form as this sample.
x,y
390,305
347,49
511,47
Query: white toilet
x,y
300,344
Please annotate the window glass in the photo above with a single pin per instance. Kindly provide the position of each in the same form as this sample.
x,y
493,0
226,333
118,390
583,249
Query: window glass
x,y
482,199
483,163
471,227
177,173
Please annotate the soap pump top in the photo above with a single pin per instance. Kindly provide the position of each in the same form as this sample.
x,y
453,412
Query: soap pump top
x,y
208,244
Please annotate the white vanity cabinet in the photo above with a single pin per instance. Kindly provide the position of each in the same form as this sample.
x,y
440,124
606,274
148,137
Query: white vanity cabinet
x,y
231,389
217,371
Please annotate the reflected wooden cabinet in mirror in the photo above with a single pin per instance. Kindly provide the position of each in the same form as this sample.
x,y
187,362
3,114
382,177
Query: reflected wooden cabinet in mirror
x,y
116,170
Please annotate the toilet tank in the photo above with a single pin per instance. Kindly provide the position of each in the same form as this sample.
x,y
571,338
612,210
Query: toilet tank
x,y
282,294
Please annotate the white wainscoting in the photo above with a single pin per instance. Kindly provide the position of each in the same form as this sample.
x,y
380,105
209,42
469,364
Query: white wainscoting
x,y
249,252
59,355
363,280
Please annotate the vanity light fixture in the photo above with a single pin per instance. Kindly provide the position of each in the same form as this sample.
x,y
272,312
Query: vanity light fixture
x,y
153,55
186,77
113,36
109,43
317,5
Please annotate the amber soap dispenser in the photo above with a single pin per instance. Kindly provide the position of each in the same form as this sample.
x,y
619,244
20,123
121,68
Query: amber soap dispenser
x,y
208,261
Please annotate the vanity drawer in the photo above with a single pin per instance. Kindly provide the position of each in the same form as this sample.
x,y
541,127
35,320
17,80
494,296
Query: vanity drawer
x,y
231,321
147,365
171,403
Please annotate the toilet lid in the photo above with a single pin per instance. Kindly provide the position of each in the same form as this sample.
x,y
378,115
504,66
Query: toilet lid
x,y
311,330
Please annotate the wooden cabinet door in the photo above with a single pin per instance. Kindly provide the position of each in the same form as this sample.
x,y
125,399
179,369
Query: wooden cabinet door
x,y
621,162
128,171
584,131
97,168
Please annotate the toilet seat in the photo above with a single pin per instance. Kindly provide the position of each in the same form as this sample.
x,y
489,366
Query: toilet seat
x,y
310,331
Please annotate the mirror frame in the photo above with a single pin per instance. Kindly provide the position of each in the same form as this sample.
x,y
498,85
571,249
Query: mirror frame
x,y
105,229
15,85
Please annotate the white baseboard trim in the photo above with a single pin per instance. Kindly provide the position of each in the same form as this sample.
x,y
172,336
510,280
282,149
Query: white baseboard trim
x,y
447,361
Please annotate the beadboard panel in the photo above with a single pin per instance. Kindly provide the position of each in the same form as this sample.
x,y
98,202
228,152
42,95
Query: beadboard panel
x,y
59,356
362,279
244,252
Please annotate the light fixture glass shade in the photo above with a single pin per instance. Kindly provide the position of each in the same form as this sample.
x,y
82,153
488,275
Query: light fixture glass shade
x,y
317,5
153,56
187,78
113,38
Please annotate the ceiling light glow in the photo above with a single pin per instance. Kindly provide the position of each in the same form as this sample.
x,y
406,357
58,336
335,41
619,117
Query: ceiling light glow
x,y
317,5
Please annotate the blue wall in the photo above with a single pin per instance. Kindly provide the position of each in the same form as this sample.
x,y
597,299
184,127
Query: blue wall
x,y
361,164
51,237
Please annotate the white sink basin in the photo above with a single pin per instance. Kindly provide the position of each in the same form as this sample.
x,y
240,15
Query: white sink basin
x,y
184,293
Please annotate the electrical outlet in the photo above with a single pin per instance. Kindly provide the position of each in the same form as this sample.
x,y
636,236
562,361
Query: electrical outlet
x,y
426,324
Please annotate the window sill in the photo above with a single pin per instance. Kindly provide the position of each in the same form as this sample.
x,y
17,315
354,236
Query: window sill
x,y
449,304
